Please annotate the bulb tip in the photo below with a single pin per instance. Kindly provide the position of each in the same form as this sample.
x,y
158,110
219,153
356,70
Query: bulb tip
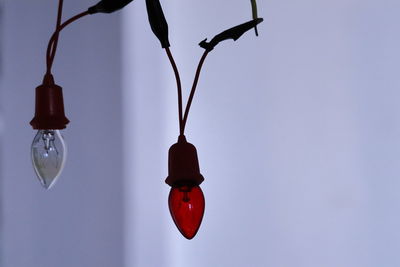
x,y
189,236
46,186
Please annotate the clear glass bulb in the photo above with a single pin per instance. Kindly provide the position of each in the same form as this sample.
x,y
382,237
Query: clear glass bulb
x,y
48,153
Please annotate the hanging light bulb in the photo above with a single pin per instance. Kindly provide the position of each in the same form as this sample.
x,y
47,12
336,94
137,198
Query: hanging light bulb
x,y
186,205
48,153
186,200
48,150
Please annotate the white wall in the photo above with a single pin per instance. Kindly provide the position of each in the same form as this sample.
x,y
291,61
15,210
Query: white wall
x,y
79,221
297,133
146,119
1,122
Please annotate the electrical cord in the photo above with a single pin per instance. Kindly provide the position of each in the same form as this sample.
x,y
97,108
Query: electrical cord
x,y
59,18
179,87
52,42
193,91
183,119
104,6
232,33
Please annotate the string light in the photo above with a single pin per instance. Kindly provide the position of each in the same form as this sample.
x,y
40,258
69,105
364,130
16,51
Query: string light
x,y
48,150
186,199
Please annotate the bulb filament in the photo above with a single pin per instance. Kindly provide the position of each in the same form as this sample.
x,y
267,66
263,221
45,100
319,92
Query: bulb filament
x,y
186,190
48,140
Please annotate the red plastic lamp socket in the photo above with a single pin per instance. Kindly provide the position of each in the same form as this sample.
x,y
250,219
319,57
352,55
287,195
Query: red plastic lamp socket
x,y
186,200
49,106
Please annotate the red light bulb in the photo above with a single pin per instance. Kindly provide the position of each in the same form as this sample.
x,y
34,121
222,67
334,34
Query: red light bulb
x,y
186,200
186,204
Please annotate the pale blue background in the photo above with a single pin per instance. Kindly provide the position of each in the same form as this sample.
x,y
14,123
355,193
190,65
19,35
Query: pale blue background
x,y
297,133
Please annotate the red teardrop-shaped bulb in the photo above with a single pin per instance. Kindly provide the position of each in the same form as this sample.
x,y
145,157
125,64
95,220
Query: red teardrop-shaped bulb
x,y
186,205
